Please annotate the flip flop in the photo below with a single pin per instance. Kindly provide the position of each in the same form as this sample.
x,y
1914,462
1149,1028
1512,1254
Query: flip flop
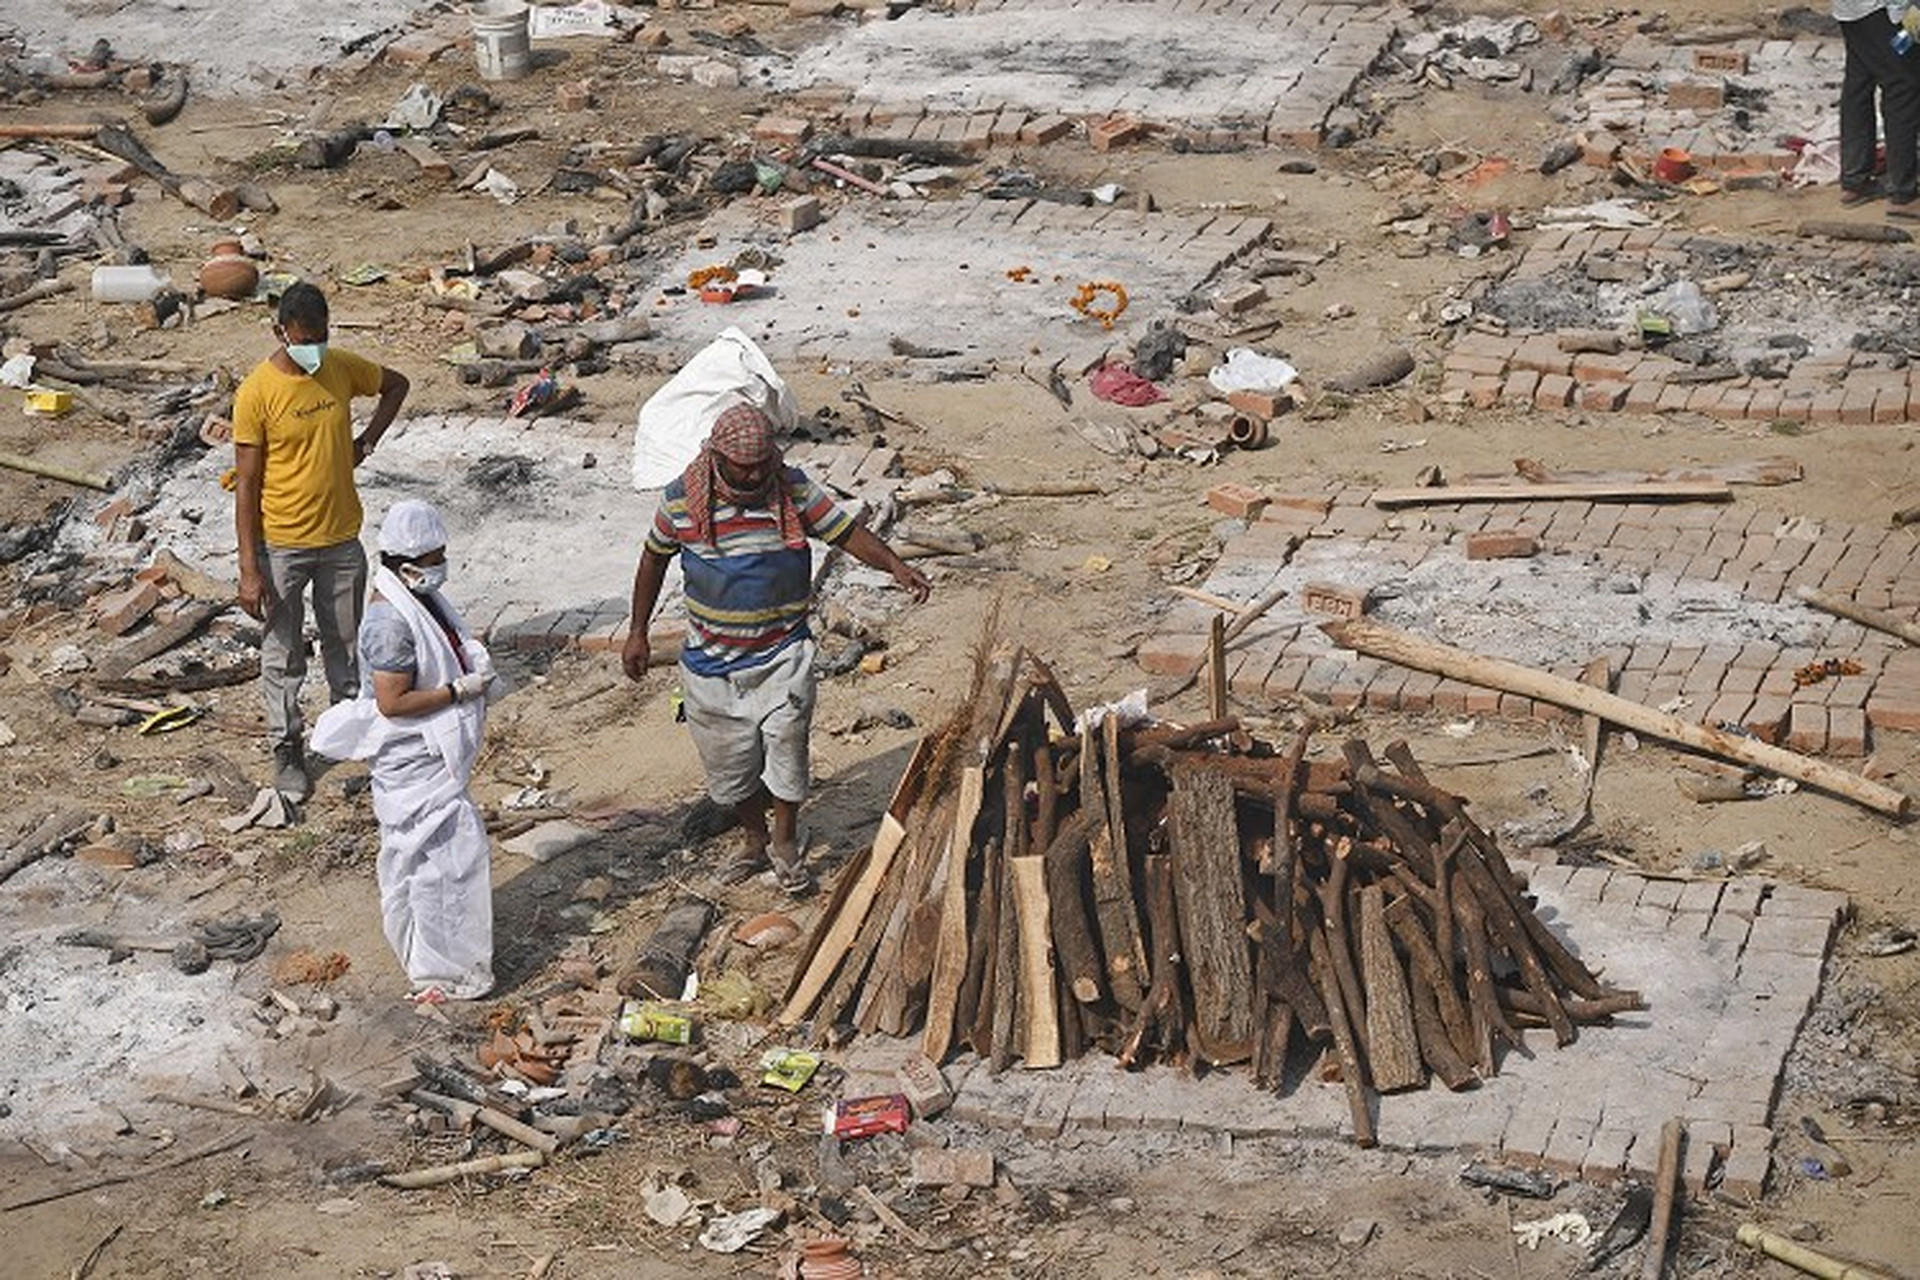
x,y
743,866
1858,195
1905,210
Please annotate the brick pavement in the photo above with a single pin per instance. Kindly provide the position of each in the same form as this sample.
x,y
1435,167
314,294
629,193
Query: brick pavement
x,y
1007,72
1738,560
1722,1017
1826,383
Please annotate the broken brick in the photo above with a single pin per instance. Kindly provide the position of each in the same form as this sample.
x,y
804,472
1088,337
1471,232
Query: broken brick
x,y
1245,298
782,131
952,1166
924,1085
1695,95
1237,501
119,612
1716,61
1501,544
1261,404
801,214
1046,129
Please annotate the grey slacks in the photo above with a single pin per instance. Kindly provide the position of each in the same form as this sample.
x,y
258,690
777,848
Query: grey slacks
x,y
337,576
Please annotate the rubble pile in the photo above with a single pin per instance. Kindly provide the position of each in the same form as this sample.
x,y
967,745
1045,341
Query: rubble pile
x,y
1188,895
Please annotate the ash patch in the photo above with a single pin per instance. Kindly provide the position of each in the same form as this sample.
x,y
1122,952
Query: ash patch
x,y
1759,299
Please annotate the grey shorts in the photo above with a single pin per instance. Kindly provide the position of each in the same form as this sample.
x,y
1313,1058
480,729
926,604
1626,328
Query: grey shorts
x,y
751,727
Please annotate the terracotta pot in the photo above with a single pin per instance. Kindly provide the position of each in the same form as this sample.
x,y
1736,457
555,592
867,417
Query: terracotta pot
x,y
1673,165
828,1259
227,246
229,275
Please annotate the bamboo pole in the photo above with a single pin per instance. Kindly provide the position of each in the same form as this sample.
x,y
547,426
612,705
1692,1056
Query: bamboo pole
x,y
1801,1258
1448,495
86,480
1666,1188
1381,641
45,289
1877,619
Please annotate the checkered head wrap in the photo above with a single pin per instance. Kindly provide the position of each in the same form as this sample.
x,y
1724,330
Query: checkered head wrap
x,y
743,435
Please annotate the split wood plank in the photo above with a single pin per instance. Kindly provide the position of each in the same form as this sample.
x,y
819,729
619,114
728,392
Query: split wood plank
x,y
1039,1003
1381,641
1450,495
1393,1047
176,630
845,921
950,952
1113,885
1775,469
1210,897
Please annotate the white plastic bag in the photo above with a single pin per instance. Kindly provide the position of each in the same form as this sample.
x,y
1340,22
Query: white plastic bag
x,y
676,420
1248,370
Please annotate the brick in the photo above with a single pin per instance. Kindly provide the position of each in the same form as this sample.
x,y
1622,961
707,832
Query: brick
x,y
1529,1131
1794,935
1846,732
416,49
1696,1166
1236,500
1261,404
1171,655
1604,397
1642,397
1749,1163
120,611
924,1085
1046,1115
1606,1157
1600,367
1332,598
1118,131
1715,61
952,1166
1555,391
1245,298
1807,728
1312,504
1484,393
1045,129
1520,387
1695,95
1502,544
802,213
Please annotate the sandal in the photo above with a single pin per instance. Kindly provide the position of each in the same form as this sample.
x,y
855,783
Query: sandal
x,y
743,866
427,995
1851,196
1907,210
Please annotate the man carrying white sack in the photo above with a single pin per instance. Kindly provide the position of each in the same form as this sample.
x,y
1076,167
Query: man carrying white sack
x,y
419,721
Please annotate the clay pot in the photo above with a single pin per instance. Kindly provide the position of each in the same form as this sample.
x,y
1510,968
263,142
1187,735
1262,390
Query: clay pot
x,y
828,1259
766,931
1673,165
229,275
227,246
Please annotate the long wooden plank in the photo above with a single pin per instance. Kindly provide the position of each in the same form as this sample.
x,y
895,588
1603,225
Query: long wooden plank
x,y
1853,611
846,922
1039,988
950,952
1378,640
1449,495
1210,897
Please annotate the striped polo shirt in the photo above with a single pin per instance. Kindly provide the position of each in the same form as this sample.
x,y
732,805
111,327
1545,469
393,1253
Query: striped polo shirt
x,y
748,593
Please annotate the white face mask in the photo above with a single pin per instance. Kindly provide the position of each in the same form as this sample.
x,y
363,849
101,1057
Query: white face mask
x,y
423,578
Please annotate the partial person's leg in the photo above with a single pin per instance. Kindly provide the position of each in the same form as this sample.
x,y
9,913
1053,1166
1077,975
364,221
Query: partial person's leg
x,y
786,731
730,753
339,601
1900,113
1857,122
283,649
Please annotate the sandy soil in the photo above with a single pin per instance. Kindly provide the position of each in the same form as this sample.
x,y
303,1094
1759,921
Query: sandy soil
x,y
1087,1208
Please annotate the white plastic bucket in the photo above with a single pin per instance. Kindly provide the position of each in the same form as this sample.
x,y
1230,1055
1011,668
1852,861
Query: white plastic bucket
x,y
129,284
500,42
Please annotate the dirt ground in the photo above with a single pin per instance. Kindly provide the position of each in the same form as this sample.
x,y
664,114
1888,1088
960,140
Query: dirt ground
x,y
286,1202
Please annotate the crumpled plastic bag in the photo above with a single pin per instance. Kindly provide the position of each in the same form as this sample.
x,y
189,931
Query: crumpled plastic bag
x,y
1131,710
1247,370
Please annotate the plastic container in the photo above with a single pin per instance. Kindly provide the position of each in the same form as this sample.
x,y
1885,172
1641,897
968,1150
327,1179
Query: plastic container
x,y
129,284
501,45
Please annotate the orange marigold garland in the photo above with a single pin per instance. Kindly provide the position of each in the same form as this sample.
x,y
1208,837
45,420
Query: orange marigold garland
x,y
1083,300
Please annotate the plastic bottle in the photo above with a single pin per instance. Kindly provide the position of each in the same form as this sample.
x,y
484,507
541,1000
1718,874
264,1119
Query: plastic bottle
x,y
129,284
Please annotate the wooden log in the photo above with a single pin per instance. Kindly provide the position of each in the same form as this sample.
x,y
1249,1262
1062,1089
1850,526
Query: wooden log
x,y
1038,985
1801,1258
1351,1074
1436,978
1393,1047
34,293
1666,1190
1075,951
974,1012
1380,641
950,952
52,129
1436,1046
1115,903
1211,899
208,197
1216,667
1489,1023
1577,1007
1006,1012
176,630
884,998
1875,619
217,1147
1507,931
1332,891
1634,491
51,832
660,970
440,1175
1871,232
1047,793
524,1134
1162,1007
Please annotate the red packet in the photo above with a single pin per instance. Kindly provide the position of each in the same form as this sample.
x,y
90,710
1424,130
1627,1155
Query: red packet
x,y
864,1117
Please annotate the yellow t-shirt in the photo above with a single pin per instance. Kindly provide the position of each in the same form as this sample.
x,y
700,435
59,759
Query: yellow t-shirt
x,y
305,424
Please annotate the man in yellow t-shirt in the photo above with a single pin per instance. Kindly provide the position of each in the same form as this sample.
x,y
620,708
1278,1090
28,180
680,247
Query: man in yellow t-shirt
x,y
298,515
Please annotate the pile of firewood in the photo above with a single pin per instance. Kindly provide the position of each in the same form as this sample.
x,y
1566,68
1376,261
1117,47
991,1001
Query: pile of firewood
x,y
1186,894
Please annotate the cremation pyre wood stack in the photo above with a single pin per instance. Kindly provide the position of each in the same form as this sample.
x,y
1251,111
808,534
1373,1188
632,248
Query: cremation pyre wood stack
x,y
1186,894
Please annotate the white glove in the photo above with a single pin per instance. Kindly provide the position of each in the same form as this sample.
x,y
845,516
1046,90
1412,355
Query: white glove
x,y
472,685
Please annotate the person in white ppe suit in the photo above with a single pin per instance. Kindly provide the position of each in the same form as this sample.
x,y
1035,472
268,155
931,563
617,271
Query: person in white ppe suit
x,y
418,721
